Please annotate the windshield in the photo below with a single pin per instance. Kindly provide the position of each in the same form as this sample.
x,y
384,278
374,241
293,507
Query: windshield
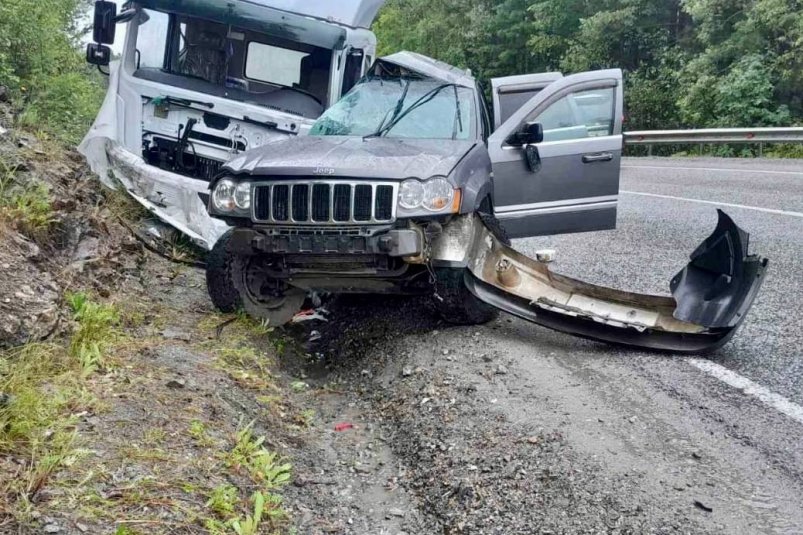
x,y
401,108
218,57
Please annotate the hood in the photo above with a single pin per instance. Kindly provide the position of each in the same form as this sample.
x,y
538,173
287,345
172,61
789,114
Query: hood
x,y
386,158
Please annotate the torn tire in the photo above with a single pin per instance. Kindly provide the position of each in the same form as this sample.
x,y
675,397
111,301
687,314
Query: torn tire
x,y
455,304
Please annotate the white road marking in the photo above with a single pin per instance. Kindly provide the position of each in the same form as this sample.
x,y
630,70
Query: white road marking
x,y
715,203
716,169
750,388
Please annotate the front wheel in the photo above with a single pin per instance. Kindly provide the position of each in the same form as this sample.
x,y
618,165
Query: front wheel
x,y
219,282
456,304
267,299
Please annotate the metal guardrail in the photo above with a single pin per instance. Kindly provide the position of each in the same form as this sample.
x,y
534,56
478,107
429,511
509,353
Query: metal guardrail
x,y
719,136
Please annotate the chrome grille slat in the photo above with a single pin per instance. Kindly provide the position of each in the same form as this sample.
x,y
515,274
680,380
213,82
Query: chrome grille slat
x,y
279,202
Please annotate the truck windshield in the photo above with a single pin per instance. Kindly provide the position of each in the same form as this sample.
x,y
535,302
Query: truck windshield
x,y
251,65
419,108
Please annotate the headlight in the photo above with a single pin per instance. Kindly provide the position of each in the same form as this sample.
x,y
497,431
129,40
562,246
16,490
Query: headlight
x,y
438,194
435,194
223,196
242,196
411,194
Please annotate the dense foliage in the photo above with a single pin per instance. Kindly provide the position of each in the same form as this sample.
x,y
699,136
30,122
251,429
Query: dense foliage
x,y
43,69
688,63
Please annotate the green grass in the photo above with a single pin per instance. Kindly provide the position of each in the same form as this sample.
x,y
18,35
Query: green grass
x,y
223,501
267,470
37,421
28,208
96,330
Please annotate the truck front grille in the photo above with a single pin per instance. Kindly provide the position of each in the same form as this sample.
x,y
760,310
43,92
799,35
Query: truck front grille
x,y
324,202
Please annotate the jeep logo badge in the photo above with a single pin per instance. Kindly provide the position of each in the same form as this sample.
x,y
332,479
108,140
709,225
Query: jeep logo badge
x,y
328,171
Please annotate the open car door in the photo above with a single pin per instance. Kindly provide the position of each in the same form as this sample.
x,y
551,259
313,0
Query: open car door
x,y
556,159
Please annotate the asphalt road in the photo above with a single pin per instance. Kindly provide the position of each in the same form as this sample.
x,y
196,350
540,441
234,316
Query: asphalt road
x,y
657,231
510,428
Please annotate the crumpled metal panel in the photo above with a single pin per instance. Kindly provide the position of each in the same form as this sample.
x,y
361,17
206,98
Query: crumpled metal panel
x,y
432,68
173,198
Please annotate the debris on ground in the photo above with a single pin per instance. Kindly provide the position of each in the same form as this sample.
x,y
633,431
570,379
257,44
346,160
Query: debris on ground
x,y
310,315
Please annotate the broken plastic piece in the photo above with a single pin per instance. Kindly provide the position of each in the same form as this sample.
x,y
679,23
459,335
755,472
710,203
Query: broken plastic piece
x,y
711,295
546,256
310,315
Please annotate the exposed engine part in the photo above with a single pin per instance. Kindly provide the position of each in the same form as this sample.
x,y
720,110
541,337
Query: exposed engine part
x,y
166,154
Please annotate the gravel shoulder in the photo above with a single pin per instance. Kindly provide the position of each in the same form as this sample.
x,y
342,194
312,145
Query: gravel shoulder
x,y
510,428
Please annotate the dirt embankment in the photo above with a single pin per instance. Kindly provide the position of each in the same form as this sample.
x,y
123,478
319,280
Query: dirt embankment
x,y
128,405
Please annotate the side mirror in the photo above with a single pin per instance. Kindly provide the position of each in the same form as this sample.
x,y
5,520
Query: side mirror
x,y
105,23
533,158
100,55
531,134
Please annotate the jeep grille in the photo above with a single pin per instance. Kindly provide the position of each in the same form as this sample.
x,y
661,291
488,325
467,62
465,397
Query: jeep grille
x,y
317,202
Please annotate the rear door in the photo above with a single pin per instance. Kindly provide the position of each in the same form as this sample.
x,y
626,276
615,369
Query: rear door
x,y
511,93
574,184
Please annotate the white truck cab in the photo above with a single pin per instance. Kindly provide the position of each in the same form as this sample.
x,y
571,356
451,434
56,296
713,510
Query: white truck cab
x,y
200,81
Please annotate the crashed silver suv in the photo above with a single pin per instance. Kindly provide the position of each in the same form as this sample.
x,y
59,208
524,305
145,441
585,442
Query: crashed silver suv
x,y
404,186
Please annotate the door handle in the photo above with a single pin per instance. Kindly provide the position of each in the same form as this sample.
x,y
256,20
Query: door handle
x,y
601,157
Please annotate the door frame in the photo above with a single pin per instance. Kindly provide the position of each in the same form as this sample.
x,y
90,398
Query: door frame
x,y
558,214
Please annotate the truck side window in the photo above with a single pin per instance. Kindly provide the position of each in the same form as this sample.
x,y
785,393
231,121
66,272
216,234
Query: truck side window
x,y
274,65
578,115
152,39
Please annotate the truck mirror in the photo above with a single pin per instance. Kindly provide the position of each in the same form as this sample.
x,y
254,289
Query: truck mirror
x,y
96,54
105,25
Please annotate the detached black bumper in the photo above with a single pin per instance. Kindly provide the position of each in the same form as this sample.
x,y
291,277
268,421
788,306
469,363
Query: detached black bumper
x,y
394,243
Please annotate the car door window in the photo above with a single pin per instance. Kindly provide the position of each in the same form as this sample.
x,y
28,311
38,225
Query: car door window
x,y
579,115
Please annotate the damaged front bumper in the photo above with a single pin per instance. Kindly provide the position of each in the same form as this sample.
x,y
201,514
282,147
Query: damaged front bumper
x,y
711,295
175,199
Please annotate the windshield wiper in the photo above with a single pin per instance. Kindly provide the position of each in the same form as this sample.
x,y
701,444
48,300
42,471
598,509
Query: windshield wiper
x,y
458,116
396,111
414,106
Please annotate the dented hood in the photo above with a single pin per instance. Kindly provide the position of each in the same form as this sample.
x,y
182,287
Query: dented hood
x,y
386,158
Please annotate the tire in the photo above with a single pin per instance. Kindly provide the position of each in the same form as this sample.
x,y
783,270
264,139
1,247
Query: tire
x,y
268,300
456,304
219,282
489,220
